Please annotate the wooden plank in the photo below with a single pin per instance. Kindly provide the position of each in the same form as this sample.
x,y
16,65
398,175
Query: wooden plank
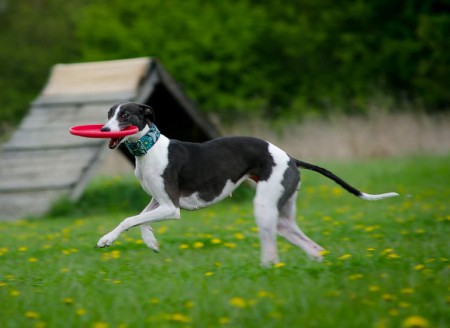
x,y
47,139
21,204
64,116
44,169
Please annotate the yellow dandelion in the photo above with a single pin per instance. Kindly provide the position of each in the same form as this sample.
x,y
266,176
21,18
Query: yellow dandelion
x,y
324,252
198,244
415,321
407,291
388,297
117,282
22,249
264,294
14,293
178,317
393,256
64,270
279,265
3,284
345,257
163,229
33,260
238,302
356,276
239,235
31,315
100,325
183,246
115,254
374,288
80,312
229,245
216,241
68,300
387,251
224,320
419,267
209,274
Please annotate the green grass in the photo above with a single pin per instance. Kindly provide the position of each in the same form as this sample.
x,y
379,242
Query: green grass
x,y
388,261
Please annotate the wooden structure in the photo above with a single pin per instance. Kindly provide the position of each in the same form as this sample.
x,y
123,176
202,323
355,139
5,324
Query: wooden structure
x,y
42,162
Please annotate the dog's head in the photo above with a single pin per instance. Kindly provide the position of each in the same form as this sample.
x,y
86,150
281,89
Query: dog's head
x,y
122,115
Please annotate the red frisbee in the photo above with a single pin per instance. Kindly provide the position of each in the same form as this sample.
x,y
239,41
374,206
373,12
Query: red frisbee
x,y
93,131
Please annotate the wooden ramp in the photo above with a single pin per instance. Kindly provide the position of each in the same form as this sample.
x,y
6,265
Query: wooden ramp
x,y
42,162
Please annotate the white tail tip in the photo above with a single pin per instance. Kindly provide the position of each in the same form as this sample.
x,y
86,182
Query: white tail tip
x,y
377,197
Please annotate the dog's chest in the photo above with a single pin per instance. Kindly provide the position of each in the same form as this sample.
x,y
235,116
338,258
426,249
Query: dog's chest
x,y
150,168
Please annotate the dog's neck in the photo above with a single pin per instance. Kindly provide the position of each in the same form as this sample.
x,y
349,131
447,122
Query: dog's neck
x,y
144,140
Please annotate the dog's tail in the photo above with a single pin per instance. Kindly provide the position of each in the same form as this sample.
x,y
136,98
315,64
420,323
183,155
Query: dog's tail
x,y
342,183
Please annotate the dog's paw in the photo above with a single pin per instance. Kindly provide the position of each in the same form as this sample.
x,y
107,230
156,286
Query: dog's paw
x,y
106,240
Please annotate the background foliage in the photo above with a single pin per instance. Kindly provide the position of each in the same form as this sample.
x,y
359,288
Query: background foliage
x,y
281,59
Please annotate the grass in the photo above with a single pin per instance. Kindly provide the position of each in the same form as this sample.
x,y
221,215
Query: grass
x,y
387,266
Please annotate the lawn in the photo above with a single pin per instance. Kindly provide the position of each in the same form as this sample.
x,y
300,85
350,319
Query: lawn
x,y
387,262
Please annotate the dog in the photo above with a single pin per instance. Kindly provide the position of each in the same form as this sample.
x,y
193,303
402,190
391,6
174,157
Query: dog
x,y
184,175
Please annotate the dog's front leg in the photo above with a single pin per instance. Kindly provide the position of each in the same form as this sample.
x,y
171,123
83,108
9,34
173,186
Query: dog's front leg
x,y
160,213
146,230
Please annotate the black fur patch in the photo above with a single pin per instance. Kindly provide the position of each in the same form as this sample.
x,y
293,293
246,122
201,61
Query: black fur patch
x,y
291,179
206,167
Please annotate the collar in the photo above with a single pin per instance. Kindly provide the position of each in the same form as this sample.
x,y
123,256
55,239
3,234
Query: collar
x,y
147,141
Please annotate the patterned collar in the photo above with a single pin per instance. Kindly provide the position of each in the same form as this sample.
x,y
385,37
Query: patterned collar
x,y
147,141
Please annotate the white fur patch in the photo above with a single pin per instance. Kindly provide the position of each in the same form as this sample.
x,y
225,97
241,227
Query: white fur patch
x,y
193,202
113,123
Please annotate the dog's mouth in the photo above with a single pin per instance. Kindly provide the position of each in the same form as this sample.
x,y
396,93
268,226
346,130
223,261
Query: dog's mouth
x,y
114,142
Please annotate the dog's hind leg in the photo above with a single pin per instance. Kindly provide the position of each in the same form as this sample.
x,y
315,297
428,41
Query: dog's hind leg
x,y
266,215
288,228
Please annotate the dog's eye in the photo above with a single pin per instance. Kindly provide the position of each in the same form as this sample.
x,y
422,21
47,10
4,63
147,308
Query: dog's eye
x,y
124,115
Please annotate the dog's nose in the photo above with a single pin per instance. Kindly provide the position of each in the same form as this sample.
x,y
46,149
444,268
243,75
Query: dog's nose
x,y
105,129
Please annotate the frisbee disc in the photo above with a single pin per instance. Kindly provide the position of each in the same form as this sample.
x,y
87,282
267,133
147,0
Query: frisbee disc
x,y
94,131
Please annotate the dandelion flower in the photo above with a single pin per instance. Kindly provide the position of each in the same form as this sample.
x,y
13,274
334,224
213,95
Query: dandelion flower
x,y
216,241
183,246
178,317
238,302
407,291
415,321
374,288
80,312
229,245
356,276
419,267
68,300
32,260
279,265
31,315
198,244
224,320
345,257
100,325
14,293
209,274
239,235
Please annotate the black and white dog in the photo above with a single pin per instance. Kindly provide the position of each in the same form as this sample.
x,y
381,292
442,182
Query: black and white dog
x,y
194,175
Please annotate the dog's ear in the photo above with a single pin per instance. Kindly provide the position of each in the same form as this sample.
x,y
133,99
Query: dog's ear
x,y
149,113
